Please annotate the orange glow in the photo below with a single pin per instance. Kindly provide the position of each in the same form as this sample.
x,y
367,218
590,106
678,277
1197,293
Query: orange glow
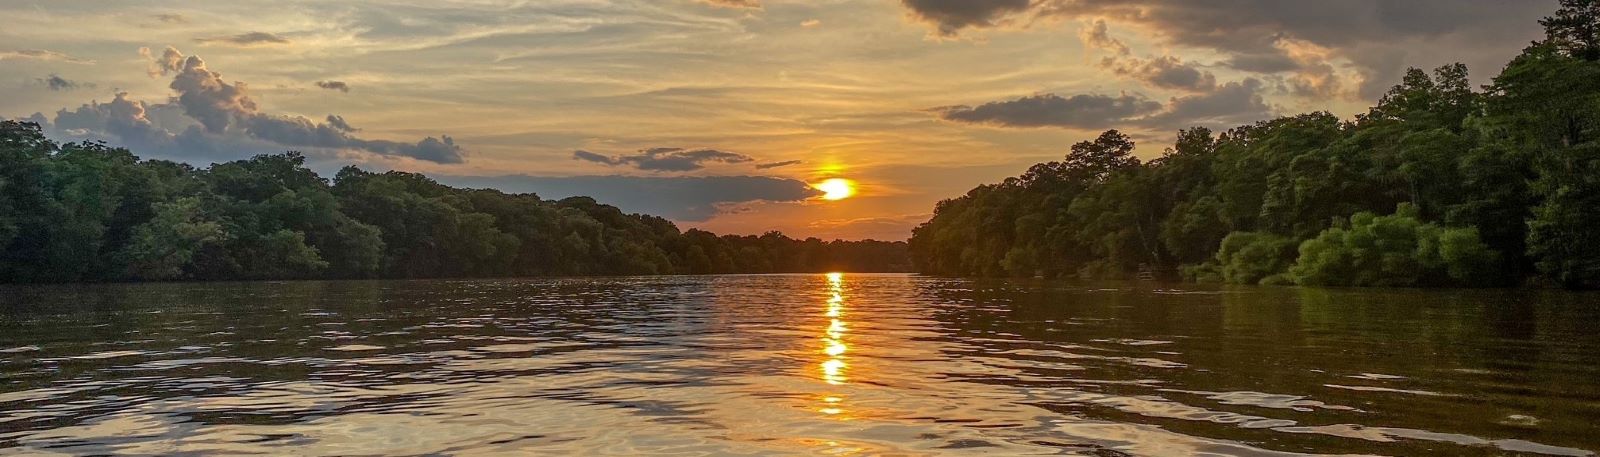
x,y
836,188
833,345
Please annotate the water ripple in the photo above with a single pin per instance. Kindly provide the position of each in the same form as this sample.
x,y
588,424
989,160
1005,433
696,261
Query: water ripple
x,y
801,364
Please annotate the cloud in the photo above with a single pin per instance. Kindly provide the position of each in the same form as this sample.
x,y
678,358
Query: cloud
x,y
1098,36
753,4
681,198
1227,105
1085,111
172,18
57,83
42,54
122,119
1166,72
1376,37
245,39
665,159
949,17
169,61
769,166
1231,104
810,23
210,116
334,85
339,123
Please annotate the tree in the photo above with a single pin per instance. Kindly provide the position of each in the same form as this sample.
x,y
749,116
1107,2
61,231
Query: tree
x,y
1575,29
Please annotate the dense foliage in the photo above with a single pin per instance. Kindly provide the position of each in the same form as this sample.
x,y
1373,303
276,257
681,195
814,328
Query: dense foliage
x,y
1491,187
88,212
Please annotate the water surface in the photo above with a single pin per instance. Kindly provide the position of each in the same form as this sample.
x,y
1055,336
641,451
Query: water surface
x,y
802,364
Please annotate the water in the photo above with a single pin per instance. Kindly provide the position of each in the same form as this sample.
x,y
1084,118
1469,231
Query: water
x,y
804,364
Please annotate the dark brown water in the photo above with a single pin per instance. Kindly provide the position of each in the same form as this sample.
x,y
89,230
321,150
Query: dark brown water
x,y
804,364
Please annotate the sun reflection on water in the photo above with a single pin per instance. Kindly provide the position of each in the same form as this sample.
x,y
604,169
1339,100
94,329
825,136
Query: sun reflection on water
x,y
834,348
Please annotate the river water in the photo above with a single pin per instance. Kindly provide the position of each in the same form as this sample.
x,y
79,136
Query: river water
x,y
799,364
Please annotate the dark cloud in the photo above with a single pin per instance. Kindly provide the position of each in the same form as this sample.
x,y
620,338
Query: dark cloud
x,y
1085,111
334,85
1378,36
665,159
1165,72
769,166
1231,104
753,4
57,83
1227,105
245,39
211,115
339,123
949,17
172,18
1262,62
41,54
592,157
682,198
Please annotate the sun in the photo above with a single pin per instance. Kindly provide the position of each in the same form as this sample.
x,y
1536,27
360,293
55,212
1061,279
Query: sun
x,y
836,189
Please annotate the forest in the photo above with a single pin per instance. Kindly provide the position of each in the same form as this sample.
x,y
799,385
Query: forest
x,y
82,212
1439,185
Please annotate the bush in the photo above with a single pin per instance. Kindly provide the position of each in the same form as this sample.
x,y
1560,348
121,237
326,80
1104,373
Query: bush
x,y
1398,250
1251,257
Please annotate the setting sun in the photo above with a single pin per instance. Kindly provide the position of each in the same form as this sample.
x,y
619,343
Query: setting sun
x,y
837,189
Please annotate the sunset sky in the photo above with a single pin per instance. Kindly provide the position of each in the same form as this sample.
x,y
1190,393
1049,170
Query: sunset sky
x,y
718,114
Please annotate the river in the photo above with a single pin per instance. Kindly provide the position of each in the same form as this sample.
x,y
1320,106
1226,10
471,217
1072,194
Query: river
x,y
841,364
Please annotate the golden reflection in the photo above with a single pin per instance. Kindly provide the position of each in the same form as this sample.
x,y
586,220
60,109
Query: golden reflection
x,y
834,348
833,369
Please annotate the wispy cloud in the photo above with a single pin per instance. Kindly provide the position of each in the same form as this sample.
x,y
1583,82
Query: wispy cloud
x,y
334,85
665,159
1086,111
768,166
57,83
42,54
245,39
754,4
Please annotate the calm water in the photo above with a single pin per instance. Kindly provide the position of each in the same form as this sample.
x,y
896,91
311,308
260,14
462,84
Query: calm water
x,y
805,364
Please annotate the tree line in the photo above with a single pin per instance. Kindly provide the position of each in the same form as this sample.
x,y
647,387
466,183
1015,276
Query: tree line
x,y
89,212
1439,184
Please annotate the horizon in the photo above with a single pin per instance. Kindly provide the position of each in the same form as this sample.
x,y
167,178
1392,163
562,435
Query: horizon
x,y
718,115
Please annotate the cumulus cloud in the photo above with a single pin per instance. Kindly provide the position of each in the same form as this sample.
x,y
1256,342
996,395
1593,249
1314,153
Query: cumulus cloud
x,y
950,17
681,198
57,83
1086,111
665,159
41,54
334,85
245,39
209,115
771,165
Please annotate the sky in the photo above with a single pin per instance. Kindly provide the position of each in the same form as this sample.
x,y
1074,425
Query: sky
x,y
717,114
